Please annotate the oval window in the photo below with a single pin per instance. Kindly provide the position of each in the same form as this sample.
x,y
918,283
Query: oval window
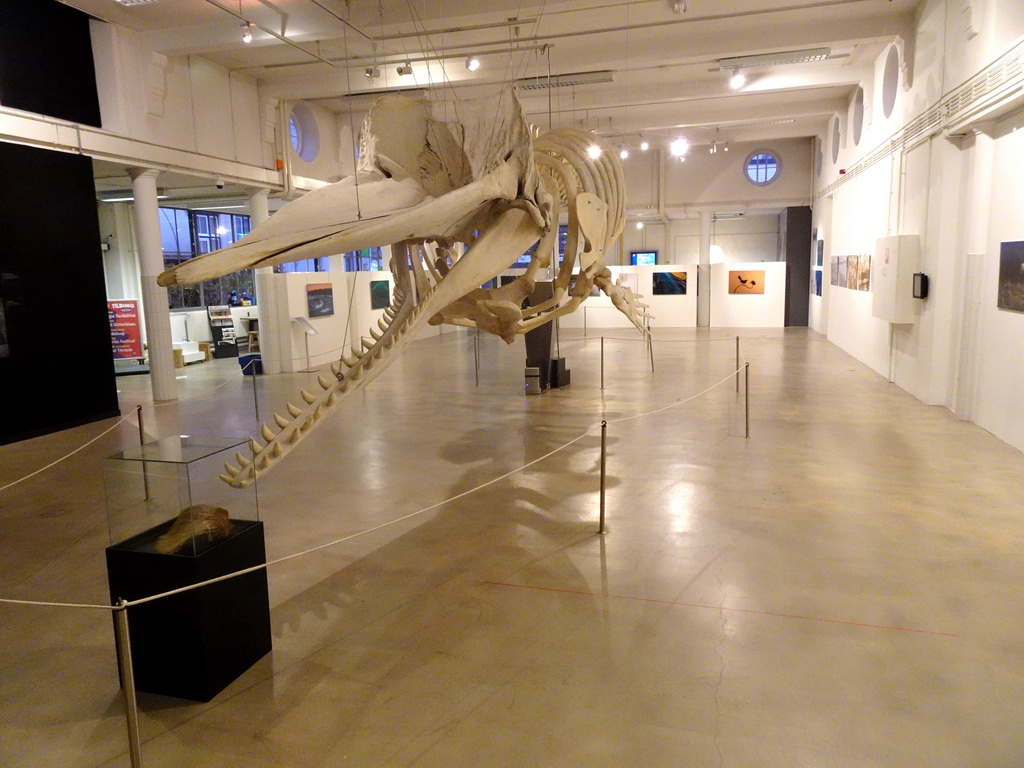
x,y
835,140
858,115
890,80
304,134
762,167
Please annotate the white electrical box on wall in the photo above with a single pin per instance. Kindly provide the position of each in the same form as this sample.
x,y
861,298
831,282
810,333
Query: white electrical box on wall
x,y
892,278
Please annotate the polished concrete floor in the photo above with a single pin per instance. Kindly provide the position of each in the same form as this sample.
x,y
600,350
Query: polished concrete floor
x,y
840,589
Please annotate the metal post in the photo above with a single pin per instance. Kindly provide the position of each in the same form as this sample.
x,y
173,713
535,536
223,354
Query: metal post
x,y
584,322
604,434
602,362
131,709
476,356
255,400
650,344
737,364
142,441
746,398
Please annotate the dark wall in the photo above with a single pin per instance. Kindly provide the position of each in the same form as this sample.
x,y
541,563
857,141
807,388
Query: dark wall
x,y
58,370
795,230
46,61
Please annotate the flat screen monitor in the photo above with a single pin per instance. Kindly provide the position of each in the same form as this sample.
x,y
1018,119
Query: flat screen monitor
x,y
644,257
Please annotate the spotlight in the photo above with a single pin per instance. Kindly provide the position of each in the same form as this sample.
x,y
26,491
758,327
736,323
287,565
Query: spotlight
x,y
405,69
679,7
644,146
593,151
738,80
472,63
639,225
247,32
372,72
679,147
623,153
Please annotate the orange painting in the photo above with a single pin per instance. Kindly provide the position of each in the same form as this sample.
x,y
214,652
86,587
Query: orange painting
x,y
746,281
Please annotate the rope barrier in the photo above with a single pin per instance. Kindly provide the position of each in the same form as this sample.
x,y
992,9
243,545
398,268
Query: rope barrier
x,y
319,547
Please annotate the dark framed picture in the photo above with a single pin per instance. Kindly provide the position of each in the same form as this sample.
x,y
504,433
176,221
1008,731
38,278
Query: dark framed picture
x,y
380,294
1011,276
319,299
669,284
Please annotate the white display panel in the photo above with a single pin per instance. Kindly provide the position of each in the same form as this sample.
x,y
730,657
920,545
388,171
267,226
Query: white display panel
x,y
892,278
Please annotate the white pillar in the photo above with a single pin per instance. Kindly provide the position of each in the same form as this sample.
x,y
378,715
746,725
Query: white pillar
x,y
704,272
154,297
266,300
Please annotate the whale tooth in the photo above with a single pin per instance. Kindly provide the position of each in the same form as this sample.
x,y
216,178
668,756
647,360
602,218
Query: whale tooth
x,y
254,446
276,451
263,462
242,460
268,435
310,399
229,480
351,362
324,382
382,325
336,370
231,470
367,343
375,334
282,422
357,352
331,399
293,410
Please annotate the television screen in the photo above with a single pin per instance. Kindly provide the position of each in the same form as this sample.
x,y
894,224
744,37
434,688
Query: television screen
x,y
644,257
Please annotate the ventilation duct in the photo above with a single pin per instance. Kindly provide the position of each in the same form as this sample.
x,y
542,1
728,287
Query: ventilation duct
x,y
779,57
563,81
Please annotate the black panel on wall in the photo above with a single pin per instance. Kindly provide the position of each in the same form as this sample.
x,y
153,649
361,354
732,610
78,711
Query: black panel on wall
x,y
46,63
57,368
795,228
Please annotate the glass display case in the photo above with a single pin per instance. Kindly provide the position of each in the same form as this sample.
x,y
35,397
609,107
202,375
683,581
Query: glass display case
x,y
166,496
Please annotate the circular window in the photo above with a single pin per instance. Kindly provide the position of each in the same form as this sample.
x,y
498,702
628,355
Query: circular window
x,y
890,80
762,167
304,134
858,115
818,157
835,140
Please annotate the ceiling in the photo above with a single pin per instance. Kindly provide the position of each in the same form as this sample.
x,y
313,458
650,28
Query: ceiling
x,y
660,61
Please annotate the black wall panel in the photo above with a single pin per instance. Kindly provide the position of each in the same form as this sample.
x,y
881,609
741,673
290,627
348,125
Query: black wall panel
x,y
58,370
795,228
46,63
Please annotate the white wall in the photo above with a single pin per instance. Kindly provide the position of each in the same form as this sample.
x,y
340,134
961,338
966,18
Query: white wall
x,y
958,194
677,311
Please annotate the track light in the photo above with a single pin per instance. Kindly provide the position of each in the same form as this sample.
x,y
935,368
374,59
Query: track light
x,y
593,151
644,146
639,225
623,153
472,63
372,72
738,80
679,147
247,32
405,69
678,7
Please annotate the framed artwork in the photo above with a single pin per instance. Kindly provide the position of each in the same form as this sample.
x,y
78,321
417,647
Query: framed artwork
x,y
841,283
669,284
1011,276
835,271
380,294
864,272
852,270
319,299
747,281
821,252
817,282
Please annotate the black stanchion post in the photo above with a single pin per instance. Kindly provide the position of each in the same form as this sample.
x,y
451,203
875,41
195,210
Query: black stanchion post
x,y
604,450
255,399
131,708
142,441
650,344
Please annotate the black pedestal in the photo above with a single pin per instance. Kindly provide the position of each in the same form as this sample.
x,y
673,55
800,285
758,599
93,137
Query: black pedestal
x,y
559,373
193,645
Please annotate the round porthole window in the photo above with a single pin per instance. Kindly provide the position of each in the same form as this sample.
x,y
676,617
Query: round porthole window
x,y
305,136
762,167
835,140
858,115
818,157
890,80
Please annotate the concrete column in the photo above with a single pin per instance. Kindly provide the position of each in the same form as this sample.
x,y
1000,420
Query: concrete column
x,y
704,272
266,300
154,297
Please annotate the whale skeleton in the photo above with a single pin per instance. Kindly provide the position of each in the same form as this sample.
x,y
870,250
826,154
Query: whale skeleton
x,y
459,200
